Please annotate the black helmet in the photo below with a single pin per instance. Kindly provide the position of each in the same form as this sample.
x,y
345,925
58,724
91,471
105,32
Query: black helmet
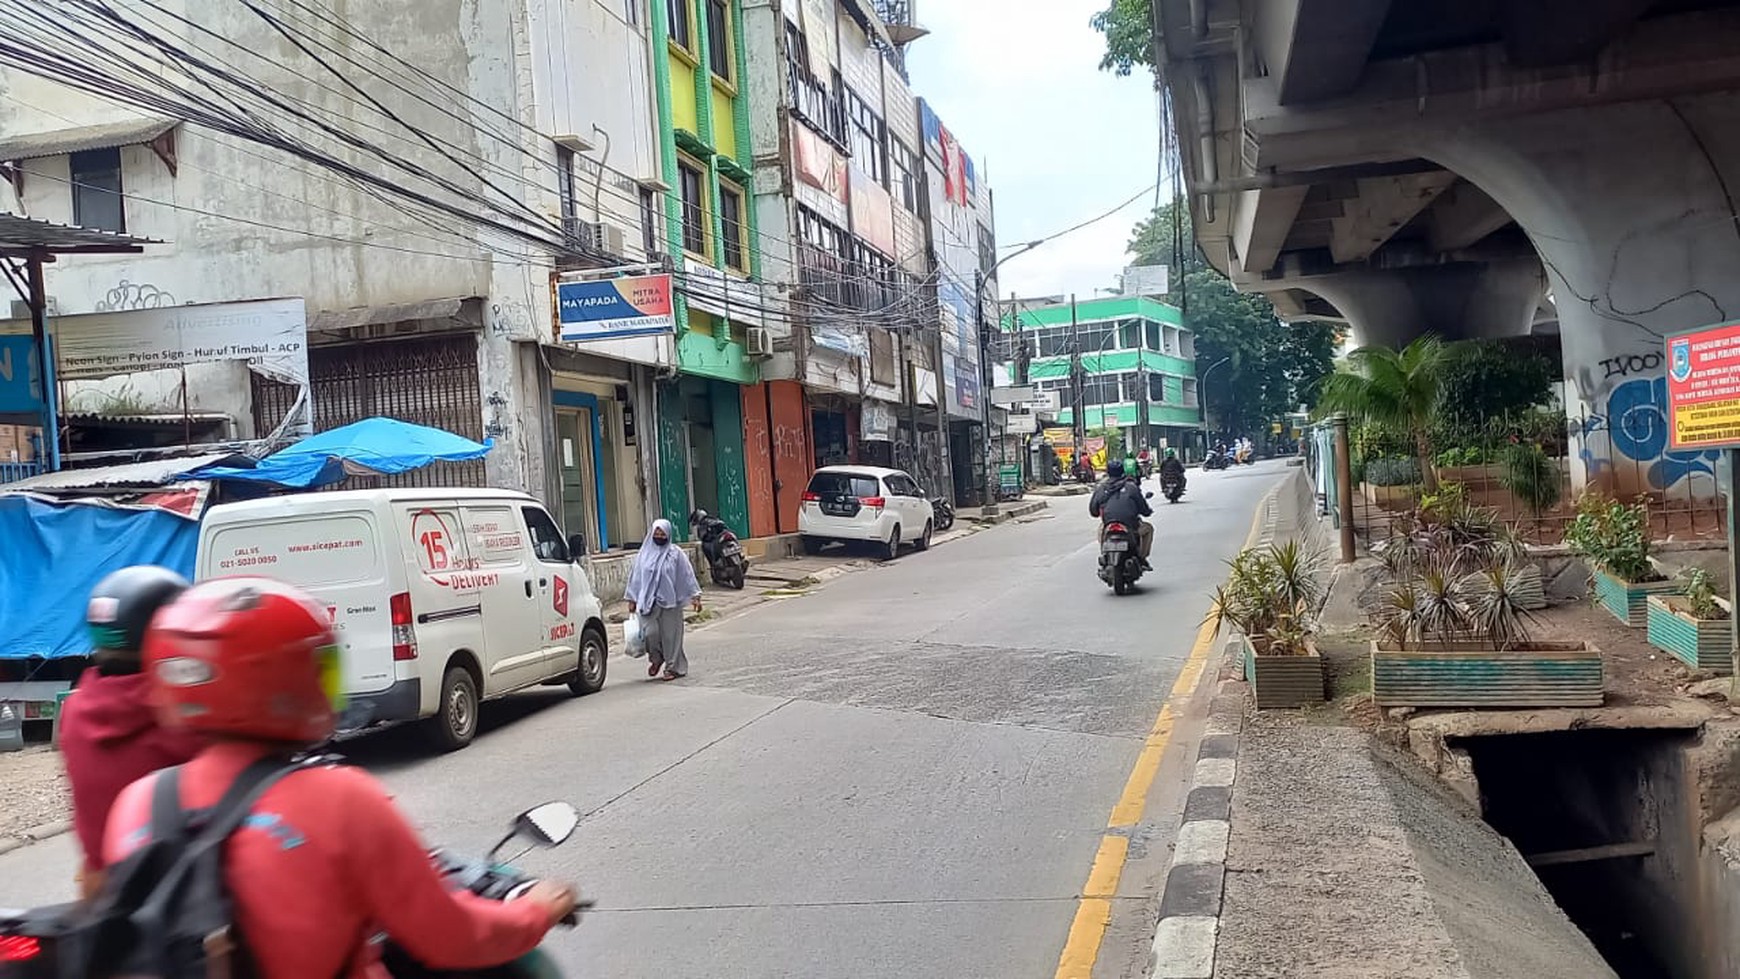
x,y
120,608
1114,468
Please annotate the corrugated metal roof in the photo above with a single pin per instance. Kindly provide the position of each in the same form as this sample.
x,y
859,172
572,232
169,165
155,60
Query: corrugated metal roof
x,y
156,472
128,132
142,418
20,235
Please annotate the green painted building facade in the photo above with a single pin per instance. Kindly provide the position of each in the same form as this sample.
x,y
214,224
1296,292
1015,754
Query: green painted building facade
x,y
1138,362
699,65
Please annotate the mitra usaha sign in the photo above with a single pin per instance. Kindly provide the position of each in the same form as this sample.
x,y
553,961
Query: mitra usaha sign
x,y
609,309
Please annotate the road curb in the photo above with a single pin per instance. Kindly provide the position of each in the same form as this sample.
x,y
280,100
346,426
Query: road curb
x,y
35,834
1190,903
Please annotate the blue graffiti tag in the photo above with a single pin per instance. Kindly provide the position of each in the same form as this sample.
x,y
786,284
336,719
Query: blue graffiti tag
x,y
1637,425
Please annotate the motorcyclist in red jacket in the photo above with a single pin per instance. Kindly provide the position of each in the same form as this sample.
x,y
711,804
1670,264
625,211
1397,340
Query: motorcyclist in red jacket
x,y
325,861
109,736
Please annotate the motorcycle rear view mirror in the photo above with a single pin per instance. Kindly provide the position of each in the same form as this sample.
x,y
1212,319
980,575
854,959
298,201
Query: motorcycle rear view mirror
x,y
547,825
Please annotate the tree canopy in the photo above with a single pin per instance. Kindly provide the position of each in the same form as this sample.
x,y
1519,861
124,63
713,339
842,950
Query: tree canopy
x,y
1251,367
1128,27
1396,390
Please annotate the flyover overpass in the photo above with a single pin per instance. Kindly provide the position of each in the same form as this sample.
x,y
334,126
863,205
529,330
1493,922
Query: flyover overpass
x,y
1453,165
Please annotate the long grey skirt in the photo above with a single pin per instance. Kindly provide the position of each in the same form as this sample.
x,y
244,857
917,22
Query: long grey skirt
x,y
664,640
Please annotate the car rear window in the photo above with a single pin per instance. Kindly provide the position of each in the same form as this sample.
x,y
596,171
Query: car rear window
x,y
843,484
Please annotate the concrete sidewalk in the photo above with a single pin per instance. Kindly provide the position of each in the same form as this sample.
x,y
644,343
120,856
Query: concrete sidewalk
x,y
1340,864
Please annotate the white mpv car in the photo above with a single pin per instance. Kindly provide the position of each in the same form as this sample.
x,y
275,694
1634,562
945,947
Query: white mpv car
x,y
854,504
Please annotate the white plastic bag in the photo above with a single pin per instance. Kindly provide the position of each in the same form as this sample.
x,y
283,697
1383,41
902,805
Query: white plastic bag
x,y
634,636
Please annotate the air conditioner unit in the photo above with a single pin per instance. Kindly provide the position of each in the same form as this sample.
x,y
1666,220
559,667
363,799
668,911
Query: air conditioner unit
x,y
759,342
594,236
664,261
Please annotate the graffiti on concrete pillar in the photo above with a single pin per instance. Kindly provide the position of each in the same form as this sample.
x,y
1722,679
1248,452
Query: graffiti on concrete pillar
x,y
498,424
1628,364
1635,422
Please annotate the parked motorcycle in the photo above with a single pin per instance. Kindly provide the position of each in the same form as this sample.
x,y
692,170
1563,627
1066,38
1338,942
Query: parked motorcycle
x,y
1172,487
942,513
724,553
28,938
1120,558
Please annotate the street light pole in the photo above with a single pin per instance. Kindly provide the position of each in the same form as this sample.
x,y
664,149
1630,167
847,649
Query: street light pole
x,y
1202,396
984,279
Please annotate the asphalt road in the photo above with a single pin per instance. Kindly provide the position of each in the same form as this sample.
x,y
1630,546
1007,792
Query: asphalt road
x,y
905,773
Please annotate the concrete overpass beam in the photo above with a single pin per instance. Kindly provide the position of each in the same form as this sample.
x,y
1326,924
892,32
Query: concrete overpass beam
x,y
1316,49
1463,216
1383,206
1261,222
1630,209
1457,301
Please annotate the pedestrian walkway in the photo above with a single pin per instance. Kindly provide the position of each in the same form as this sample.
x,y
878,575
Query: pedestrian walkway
x,y
1340,864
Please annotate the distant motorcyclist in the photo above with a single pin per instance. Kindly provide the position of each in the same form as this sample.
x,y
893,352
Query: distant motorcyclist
x,y
325,860
1119,499
109,735
1170,467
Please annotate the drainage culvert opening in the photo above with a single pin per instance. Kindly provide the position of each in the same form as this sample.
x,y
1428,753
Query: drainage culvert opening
x,y
1603,818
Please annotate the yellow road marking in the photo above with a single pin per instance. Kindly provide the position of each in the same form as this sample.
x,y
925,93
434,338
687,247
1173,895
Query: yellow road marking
x,y
1093,912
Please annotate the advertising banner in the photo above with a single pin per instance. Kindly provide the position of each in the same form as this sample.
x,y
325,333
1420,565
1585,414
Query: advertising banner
x,y
1703,388
873,213
609,309
821,174
170,360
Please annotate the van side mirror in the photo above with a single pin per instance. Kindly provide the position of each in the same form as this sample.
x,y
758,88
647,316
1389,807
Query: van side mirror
x,y
576,546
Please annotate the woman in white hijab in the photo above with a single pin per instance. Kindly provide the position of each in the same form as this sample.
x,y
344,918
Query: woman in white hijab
x,y
661,582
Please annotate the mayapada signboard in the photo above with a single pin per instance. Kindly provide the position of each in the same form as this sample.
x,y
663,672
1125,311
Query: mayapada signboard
x,y
1703,386
610,309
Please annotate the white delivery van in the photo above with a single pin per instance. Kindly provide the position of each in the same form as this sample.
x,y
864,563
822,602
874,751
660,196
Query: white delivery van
x,y
440,598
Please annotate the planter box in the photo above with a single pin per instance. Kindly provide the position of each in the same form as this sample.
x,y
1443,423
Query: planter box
x,y
1282,681
1627,600
1702,644
1390,497
1474,477
1460,674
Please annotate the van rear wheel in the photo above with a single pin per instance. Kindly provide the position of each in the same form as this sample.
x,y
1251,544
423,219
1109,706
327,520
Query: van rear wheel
x,y
594,655
455,720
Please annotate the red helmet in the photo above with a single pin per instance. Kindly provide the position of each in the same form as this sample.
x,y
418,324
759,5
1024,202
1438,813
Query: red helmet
x,y
245,657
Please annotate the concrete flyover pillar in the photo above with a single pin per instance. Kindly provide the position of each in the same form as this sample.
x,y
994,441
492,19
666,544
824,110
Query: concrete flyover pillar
x,y
1630,207
1456,300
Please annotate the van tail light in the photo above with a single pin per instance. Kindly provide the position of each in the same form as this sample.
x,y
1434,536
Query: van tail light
x,y
19,948
812,497
873,502
1116,528
404,637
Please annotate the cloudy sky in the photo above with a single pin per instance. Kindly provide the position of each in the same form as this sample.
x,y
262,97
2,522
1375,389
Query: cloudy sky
x,y
1018,83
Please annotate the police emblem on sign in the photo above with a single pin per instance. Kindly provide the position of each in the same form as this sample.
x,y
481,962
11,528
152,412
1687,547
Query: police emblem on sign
x,y
1680,359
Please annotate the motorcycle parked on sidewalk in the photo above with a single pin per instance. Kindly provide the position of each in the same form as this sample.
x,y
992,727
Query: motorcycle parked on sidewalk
x,y
942,513
1120,558
1172,487
28,939
724,552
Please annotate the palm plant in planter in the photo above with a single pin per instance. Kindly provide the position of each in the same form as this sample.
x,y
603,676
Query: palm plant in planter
x,y
1696,627
1614,538
1269,600
1455,631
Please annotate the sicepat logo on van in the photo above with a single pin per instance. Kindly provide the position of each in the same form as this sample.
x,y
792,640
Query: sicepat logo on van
x,y
559,595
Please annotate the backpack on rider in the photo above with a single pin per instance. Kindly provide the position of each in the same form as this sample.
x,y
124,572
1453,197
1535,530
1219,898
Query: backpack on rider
x,y
165,912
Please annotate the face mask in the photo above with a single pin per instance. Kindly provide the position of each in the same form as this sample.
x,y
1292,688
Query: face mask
x,y
661,541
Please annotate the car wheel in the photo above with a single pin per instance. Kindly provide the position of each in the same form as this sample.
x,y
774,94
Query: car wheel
x,y
892,548
455,720
814,545
594,661
923,542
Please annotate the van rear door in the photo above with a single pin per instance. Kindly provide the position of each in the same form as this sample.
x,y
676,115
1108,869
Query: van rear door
x,y
336,557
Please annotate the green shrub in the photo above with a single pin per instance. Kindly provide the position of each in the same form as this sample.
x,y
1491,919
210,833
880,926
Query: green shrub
x,y
1469,455
1532,476
1614,536
1392,471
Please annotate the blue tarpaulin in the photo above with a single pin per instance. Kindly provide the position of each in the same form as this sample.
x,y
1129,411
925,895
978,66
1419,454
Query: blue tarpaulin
x,y
56,552
371,447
